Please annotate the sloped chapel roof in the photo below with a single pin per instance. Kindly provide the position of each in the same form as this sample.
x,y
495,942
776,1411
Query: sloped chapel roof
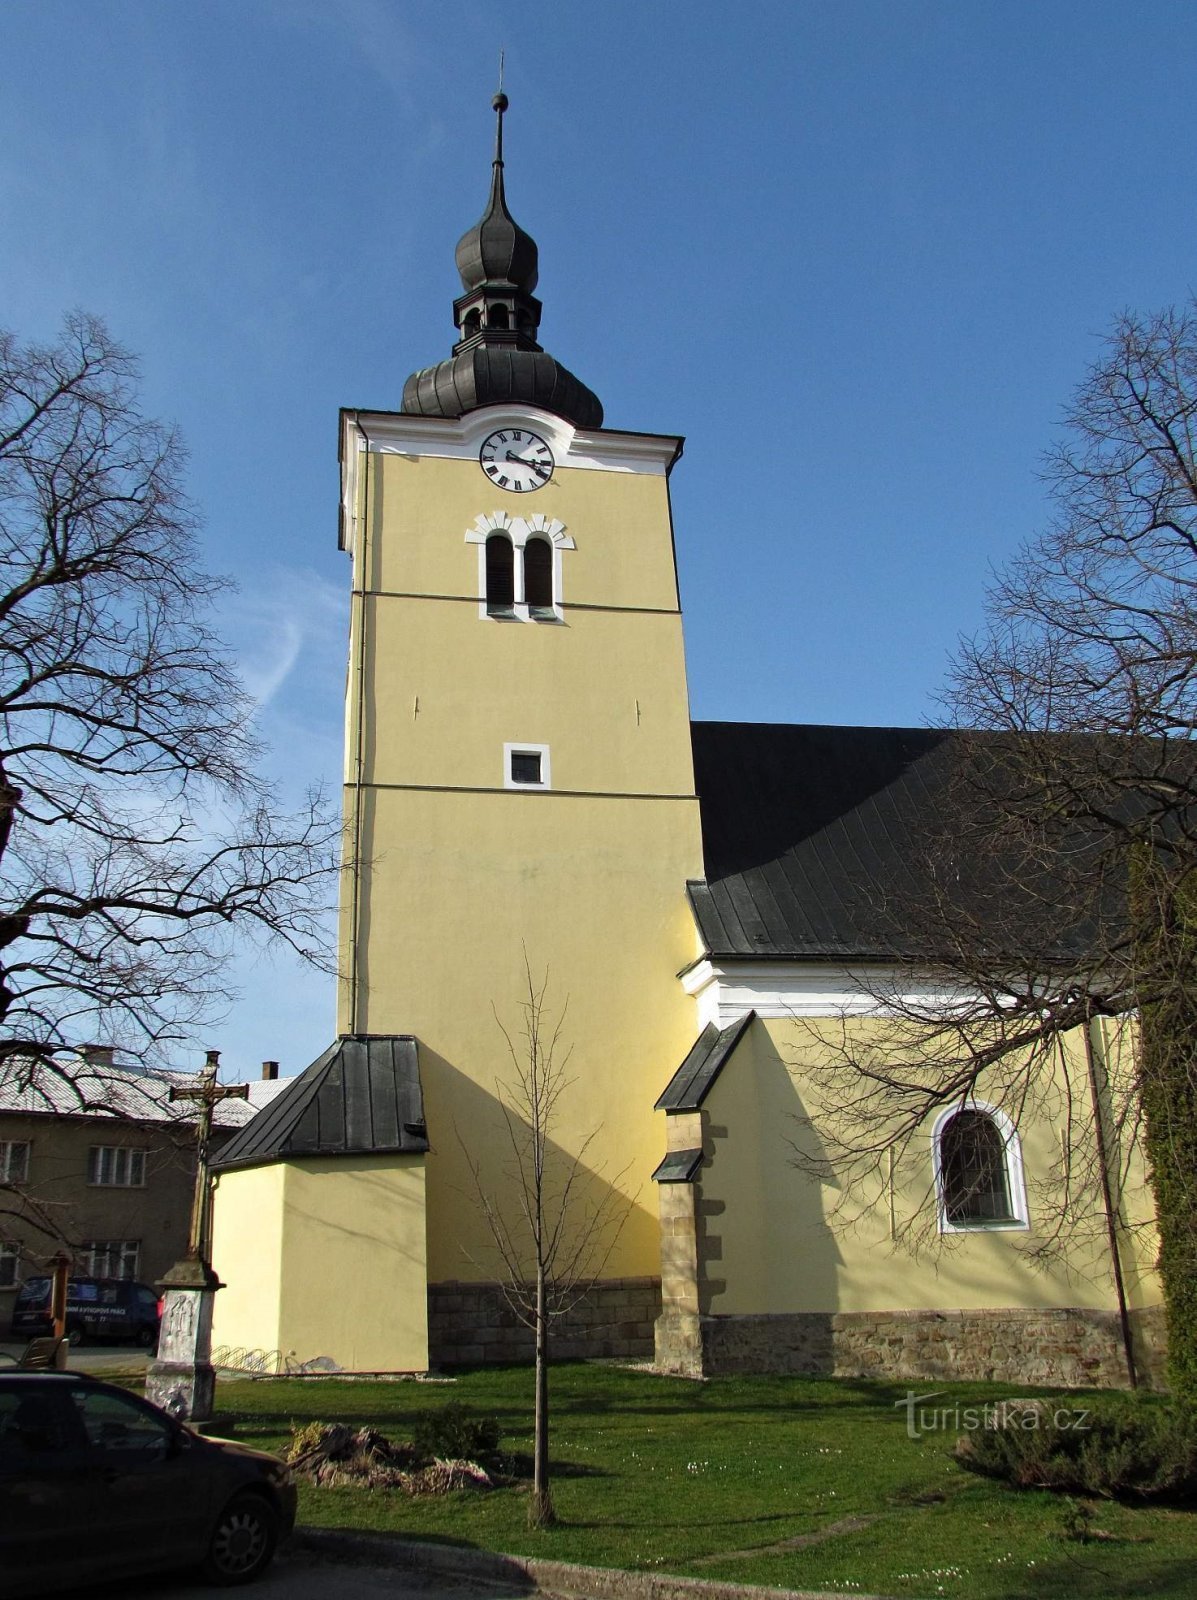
x,y
361,1097
823,842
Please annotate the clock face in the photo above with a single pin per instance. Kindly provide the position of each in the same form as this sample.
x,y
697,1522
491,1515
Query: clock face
x,y
516,459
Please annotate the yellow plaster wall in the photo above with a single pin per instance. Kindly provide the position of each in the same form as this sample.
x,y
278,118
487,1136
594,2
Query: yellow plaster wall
x,y
461,875
353,1270
597,900
614,517
601,689
781,1248
247,1255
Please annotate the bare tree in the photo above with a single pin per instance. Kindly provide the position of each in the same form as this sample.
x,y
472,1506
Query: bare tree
x,y
1057,888
551,1228
135,837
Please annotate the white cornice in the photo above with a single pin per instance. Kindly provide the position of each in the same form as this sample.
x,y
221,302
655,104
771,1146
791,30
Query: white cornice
x,y
459,438
727,991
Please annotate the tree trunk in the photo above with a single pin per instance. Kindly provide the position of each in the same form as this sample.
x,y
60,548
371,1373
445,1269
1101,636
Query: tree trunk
x,y
541,1511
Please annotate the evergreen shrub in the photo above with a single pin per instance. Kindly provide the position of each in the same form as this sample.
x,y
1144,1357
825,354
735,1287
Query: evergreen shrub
x,y
1121,1450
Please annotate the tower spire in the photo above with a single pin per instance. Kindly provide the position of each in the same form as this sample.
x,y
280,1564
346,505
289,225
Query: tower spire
x,y
496,356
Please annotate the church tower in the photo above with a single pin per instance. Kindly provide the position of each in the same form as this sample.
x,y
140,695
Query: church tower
x,y
519,793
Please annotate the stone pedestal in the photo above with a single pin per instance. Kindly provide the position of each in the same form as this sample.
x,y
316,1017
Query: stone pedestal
x,y
181,1378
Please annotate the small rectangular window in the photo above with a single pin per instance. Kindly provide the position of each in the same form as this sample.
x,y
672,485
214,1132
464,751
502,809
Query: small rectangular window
x,y
116,1166
10,1256
526,766
14,1160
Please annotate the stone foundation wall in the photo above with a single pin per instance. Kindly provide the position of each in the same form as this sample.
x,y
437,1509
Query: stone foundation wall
x,y
1073,1348
469,1323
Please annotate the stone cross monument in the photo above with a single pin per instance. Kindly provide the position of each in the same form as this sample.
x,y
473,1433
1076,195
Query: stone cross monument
x,y
181,1378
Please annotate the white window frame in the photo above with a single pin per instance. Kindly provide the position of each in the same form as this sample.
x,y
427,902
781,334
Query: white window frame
x,y
103,1252
10,1261
8,1162
111,1166
519,530
527,748
1015,1178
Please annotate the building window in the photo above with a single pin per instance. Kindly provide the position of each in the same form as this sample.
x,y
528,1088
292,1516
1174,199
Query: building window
x,y
525,766
538,578
978,1170
115,1166
110,1258
519,566
10,1256
500,576
14,1160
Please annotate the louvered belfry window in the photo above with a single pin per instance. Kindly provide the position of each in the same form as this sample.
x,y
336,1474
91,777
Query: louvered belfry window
x,y
500,573
972,1156
538,575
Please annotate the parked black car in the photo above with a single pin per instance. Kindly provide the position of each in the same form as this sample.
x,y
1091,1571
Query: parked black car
x,y
97,1308
96,1483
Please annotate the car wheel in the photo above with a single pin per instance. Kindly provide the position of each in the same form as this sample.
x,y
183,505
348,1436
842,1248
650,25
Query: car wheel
x,y
146,1337
243,1540
75,1336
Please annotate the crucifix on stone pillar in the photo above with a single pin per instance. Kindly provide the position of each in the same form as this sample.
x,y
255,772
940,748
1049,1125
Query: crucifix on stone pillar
x,y
207,1094
181,1378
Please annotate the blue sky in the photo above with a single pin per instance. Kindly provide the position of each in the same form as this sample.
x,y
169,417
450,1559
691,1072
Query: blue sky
x,y
858,254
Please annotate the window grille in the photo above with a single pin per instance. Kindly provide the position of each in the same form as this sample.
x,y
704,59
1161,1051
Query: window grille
x,y
976,1183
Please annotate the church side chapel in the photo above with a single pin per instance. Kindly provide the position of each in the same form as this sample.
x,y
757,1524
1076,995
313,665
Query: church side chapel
x,y
526,798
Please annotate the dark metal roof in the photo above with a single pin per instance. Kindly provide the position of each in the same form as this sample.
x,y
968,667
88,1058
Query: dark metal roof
x,y
361,1097
688,1087
496,249
497,359
679,1166
487,374
819,842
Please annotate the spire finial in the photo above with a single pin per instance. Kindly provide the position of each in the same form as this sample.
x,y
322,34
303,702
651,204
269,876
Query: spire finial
x,y
500,104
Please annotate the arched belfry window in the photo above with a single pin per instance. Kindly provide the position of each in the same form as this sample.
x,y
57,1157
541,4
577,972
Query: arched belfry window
x,y
519,566
538,576
500,575
978,1170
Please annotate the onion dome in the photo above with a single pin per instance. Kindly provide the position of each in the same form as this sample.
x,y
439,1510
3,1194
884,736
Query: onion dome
x,y
496,250
497,358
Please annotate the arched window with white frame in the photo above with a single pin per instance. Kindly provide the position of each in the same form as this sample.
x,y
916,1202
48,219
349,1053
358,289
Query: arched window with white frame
x,y
979,1182
519,566
538,577
500,575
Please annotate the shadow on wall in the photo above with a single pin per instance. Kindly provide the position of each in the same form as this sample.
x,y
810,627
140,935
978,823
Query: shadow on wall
x,y
765,1245
606,1216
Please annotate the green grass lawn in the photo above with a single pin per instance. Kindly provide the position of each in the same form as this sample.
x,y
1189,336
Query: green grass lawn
x,y
717,1479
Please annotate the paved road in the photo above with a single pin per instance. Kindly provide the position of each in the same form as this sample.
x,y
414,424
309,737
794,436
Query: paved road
x,y
98,1358
296,1576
